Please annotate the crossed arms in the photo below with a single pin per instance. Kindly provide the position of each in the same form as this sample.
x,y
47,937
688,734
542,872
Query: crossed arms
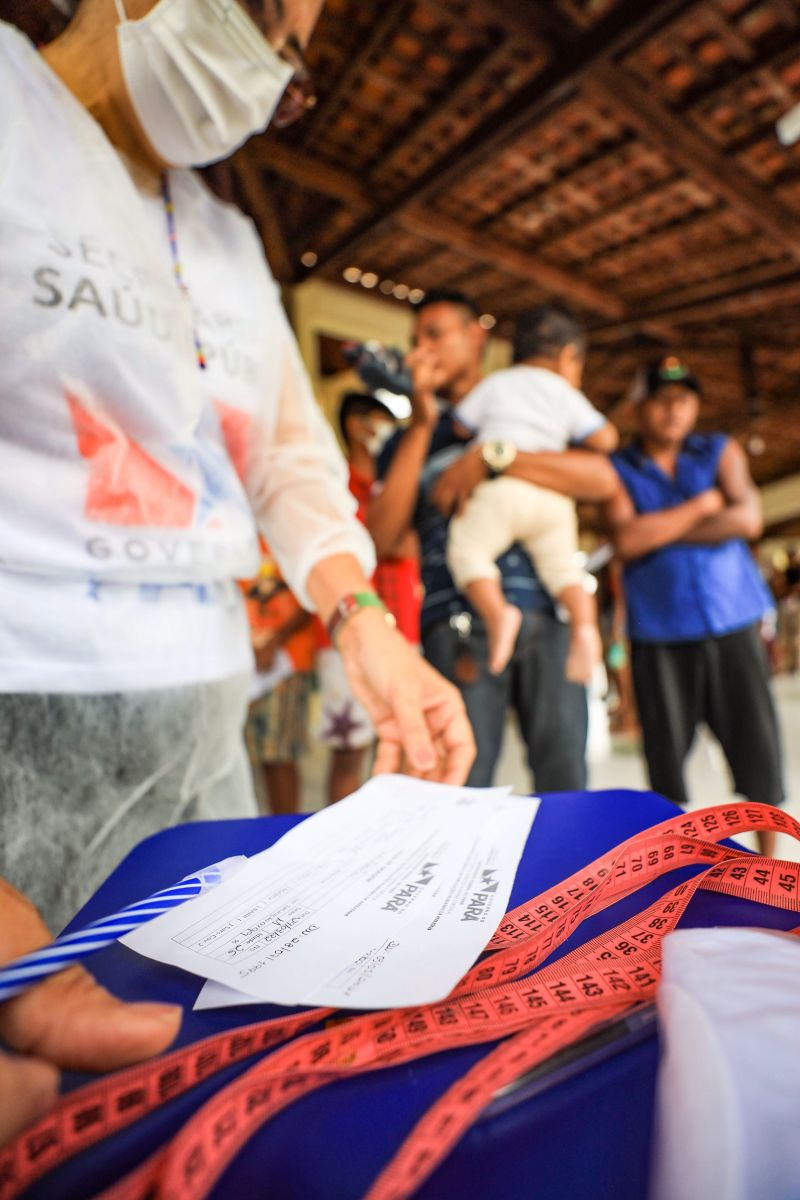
x,y
730,510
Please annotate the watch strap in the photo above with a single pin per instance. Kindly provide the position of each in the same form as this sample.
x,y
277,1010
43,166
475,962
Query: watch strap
x,y
349,605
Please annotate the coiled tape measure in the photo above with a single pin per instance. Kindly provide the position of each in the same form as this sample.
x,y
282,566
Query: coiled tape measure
x,y
533,1010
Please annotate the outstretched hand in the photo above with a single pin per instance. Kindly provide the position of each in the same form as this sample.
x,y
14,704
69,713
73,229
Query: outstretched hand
x,y
68,1021
419,717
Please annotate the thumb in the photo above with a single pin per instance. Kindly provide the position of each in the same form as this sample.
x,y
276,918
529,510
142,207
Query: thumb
x,y
28,1089
73,1022
413,729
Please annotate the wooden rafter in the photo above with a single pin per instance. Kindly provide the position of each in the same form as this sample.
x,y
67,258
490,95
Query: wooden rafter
x,y
390,16
632,204
728,304
308,172
613,35
543,195
638,106
525,266
517,19
262,206
429,120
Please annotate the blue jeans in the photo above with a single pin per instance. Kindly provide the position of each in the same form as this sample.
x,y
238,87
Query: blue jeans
x,y
552,713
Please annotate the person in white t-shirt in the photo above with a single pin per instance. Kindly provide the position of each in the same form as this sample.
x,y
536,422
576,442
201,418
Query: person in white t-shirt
x,y
152,404
536,405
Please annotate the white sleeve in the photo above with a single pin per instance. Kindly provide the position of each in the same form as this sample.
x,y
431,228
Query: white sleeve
x,y
471,411
296,476
584,419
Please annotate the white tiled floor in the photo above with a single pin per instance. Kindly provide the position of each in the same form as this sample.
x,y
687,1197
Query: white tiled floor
x,y
623,767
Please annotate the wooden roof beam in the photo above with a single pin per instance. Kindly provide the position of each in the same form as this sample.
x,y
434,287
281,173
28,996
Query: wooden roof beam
x,y
263,208
626,25
638,106
543,194
429,120
730,304
390,14
520,20
525,266
308,172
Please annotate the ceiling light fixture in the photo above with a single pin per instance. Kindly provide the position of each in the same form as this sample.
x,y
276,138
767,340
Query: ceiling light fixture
x,y
788,127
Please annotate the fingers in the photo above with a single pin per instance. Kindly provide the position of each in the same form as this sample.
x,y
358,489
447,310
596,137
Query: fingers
x,y
73,1022
419,717
454,738
388,757
413,732
28,1089
450,732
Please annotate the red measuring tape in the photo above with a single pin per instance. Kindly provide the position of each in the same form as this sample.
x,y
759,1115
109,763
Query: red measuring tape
x,y
537,1010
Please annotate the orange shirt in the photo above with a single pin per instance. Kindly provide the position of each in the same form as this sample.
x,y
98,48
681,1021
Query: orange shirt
x,y
270,606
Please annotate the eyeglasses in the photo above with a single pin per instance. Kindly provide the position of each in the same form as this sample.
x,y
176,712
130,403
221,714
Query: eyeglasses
x,y
299,96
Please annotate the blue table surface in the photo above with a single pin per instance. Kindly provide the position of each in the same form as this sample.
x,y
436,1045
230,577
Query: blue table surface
x,y
588,1135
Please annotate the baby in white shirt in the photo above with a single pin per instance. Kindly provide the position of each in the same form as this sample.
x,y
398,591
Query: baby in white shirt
x,y
535,405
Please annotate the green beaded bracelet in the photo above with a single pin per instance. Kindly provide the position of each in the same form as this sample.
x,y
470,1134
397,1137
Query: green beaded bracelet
x,y
349,605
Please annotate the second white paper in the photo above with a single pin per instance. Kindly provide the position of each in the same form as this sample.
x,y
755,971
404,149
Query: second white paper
x,y
383,900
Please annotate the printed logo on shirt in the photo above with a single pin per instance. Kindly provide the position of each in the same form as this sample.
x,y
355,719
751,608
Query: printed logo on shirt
x,y
94,279
236,426
126,486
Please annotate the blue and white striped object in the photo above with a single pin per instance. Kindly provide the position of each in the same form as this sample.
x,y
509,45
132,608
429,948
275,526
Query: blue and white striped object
x,y
70,948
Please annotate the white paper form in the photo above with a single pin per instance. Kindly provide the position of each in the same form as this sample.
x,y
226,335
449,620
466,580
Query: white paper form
x,y
383,900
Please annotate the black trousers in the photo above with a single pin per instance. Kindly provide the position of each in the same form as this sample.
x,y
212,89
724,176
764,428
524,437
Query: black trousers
x,y
552,712
723,681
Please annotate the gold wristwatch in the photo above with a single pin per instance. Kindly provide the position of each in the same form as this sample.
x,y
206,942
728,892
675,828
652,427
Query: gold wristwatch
x,y
498,457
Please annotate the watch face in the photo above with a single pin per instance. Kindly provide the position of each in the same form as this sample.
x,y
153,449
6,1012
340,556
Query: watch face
x,y
499,455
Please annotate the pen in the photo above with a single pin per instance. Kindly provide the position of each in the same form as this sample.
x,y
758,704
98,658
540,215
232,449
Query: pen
x,y
68,949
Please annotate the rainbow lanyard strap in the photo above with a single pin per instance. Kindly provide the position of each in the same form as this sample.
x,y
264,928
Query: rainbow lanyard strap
x,y
169,209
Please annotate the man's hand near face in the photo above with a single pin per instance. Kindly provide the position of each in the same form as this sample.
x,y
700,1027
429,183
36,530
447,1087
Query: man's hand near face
x,y
428,377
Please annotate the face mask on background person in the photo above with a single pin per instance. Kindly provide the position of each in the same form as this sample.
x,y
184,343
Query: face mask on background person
x,y
377,437
201,77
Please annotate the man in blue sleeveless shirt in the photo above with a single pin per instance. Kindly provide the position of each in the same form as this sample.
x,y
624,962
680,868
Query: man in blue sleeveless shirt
x,y
681,523
428,472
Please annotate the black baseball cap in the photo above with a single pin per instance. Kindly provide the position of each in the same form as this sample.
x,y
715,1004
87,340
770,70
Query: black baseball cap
x,y
661,374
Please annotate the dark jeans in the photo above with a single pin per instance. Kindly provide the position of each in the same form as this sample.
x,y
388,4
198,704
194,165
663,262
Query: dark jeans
x,y
552,713
723,681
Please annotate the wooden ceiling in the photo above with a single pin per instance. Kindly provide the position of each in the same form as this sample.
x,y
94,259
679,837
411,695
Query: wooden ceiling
x,y
618,154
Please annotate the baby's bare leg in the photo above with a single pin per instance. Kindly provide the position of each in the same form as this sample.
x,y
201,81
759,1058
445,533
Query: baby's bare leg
x,y
476,540
502,620
585,646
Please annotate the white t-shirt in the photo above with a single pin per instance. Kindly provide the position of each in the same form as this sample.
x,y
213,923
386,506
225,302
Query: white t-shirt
x,y
123,520
532,407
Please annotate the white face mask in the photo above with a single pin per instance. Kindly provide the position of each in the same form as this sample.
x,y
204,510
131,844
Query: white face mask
x,y
378,438
201,77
